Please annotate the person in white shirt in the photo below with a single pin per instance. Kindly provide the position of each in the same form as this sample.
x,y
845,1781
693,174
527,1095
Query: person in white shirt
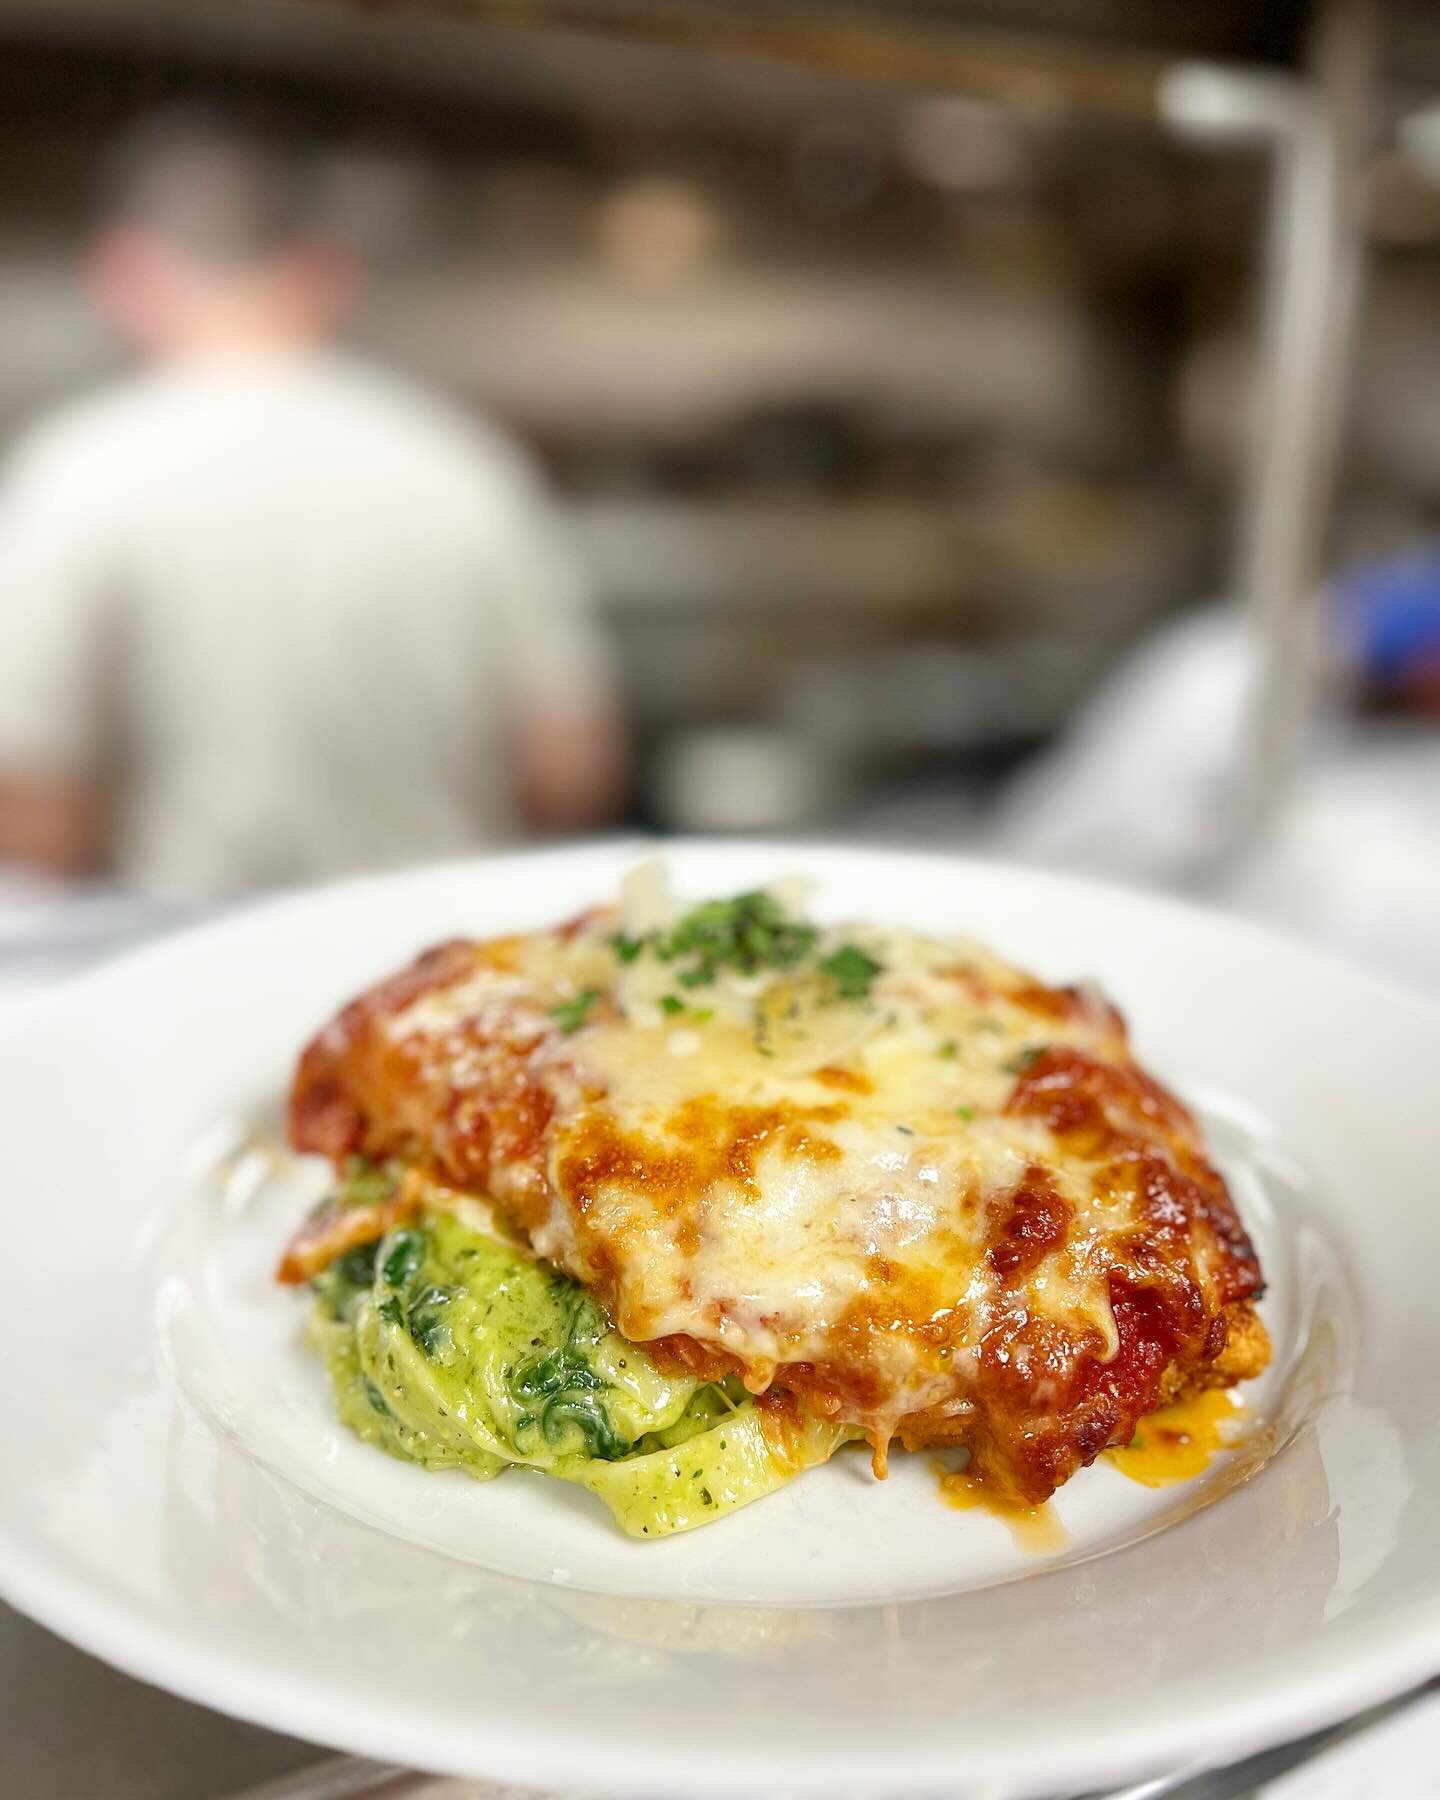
x,y
267,613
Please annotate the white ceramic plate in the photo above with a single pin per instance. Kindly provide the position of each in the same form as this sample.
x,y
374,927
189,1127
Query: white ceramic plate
x,y
178,1499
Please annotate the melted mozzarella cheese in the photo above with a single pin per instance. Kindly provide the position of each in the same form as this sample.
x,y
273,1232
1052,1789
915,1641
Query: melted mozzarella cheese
x,y
791,1177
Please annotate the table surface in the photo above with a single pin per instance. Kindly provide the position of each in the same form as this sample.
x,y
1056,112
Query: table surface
x,y
72,1727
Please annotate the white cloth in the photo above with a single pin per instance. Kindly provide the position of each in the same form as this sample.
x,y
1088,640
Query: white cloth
x,y
286,608
1139,787
1140,782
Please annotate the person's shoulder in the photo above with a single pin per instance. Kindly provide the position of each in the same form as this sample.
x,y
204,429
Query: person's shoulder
x,y
430,426
81,438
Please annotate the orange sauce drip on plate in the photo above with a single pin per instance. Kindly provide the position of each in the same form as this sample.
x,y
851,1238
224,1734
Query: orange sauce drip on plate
x,y
1178,1442
1036,1529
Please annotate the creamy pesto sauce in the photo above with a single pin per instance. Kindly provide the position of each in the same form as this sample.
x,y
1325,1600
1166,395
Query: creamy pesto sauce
x,y
449,1347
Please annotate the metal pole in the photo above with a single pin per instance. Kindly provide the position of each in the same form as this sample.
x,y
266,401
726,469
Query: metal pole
x,y
1315,252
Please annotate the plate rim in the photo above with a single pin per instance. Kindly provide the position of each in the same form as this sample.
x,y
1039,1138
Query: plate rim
x,y
1166,1742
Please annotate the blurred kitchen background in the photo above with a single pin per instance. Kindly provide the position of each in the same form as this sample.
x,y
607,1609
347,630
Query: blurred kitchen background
x,y
962,412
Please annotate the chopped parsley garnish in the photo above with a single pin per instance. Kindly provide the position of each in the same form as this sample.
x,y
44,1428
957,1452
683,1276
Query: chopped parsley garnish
x,y
392,1312
964,1112
570,1014
1026,1058
749,933
852,971
949,1049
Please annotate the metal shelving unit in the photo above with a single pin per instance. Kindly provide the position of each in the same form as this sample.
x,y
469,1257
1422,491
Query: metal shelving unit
x,y
1298,81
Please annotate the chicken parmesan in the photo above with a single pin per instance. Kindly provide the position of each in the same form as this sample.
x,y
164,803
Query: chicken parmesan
x,y
674,1201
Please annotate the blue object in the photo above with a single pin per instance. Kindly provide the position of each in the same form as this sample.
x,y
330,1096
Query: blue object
x,y
1388,615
